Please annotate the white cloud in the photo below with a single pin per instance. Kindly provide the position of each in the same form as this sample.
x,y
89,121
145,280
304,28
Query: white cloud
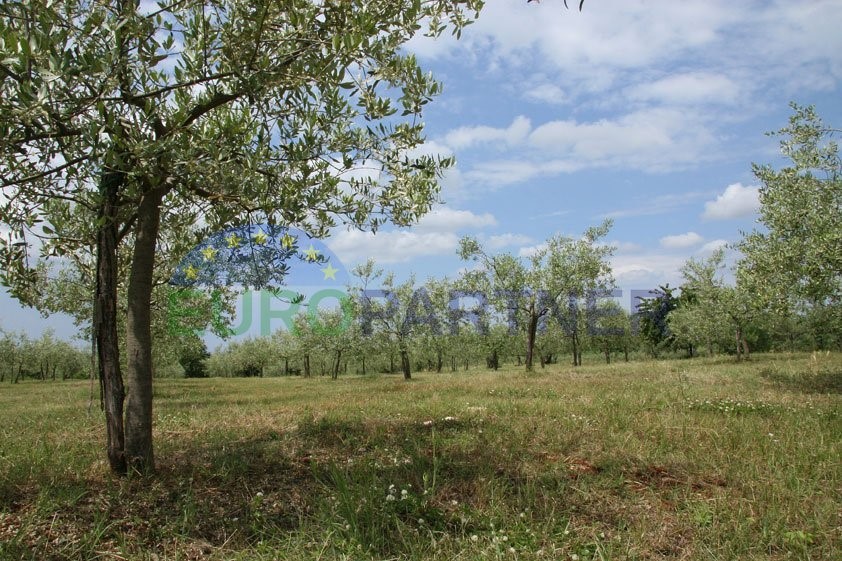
x,y
624,247
398,246
546,93
435,234
430,148
688,88
464,137
783,43
647,270
736,201
681,241
497,173
712,246
444,219
531,250
500,241
649,139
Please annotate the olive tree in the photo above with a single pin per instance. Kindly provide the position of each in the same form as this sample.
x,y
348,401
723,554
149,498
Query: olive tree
x,y
795,261
120,115
559,275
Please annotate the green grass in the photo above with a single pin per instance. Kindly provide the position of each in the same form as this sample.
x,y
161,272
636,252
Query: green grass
x,y
701,459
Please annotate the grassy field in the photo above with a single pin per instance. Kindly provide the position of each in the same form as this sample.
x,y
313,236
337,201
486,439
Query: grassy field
x,y
701,459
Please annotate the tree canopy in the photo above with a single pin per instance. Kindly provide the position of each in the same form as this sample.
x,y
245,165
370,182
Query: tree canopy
x,y
797,257
128,123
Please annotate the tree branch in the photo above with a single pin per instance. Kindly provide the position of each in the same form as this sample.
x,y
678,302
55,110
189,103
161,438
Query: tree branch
x,y
43,174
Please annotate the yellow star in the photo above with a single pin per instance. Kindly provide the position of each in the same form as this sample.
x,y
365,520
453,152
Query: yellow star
x,y
209,253
287,241
233,241
330,272
260,238
311,253
191,272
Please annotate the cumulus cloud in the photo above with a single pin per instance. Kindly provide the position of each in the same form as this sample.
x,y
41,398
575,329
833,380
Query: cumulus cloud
x,y
648,139
437,233
464,137
497,173
444,219
712,246
647,270
688,88
736,201
531,250
391,247
681,241
592,51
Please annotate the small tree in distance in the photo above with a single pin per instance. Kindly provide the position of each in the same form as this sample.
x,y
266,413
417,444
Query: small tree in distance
x,y
557,277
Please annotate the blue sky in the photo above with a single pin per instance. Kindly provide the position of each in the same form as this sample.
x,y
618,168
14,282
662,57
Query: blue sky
x,y
648,112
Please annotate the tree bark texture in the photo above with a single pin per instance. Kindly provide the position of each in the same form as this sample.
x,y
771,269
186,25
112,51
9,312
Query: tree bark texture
x,y
105,321
139,453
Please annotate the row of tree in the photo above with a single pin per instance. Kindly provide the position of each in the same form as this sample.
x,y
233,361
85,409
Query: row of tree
x,y
45,358
785,292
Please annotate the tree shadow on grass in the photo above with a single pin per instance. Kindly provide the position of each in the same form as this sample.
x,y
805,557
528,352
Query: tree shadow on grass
x,y
223,490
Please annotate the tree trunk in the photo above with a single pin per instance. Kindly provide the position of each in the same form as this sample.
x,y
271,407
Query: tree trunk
x,y
139,453
337,364
363,365
286,366
577,357
744,345
493,361
105,323
626,352
532,328
306,366
439,361
407,375
607,355
738,336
